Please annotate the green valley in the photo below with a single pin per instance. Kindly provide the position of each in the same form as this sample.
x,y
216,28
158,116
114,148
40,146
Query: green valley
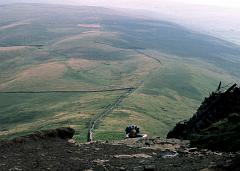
x,y
75,55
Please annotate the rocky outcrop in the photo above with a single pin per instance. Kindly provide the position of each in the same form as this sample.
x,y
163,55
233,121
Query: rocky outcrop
x,y
60,133
216,124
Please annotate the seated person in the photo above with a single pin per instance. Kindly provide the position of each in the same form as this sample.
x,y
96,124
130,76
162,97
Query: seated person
x,y
132,131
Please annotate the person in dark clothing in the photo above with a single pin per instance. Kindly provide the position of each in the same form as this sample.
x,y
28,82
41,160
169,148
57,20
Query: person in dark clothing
x,y
132,131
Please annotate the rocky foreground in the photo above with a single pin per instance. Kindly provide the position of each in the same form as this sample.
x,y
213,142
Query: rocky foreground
x,y
53,150
215,126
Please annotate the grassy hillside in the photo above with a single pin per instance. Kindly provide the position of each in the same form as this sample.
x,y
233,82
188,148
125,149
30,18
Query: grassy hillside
x,y
63,48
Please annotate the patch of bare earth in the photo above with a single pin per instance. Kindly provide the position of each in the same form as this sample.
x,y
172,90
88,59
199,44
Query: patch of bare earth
x,y
94,26
12,48
15,24
81,63
47,71
78,36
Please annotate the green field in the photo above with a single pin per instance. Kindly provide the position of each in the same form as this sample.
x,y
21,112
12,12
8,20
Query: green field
x,y
64,48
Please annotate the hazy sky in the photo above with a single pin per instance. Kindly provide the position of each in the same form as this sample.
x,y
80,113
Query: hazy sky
x,y
142,4
146,4
219,17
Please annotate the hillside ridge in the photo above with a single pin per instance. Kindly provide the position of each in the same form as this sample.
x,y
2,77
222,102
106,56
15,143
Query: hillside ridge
x,y
216,123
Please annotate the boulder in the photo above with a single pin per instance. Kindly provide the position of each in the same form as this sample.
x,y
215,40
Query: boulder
x,y
61,133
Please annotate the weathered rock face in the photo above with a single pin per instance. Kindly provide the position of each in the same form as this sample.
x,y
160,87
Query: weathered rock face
x,y
216,124
65,133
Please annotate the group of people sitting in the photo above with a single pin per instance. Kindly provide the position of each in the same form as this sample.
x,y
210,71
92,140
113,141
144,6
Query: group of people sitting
x,y
132,131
